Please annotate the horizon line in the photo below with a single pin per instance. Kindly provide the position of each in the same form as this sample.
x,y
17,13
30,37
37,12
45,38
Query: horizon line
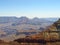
x,y
29,17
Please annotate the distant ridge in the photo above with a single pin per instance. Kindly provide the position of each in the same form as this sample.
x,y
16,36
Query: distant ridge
x,y
16,19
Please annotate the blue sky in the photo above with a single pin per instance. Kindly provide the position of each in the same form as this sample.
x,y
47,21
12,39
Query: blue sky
x,y
30,8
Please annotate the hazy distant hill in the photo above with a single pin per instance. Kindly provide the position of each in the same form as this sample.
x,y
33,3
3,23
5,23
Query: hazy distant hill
x,y
13,27
26,20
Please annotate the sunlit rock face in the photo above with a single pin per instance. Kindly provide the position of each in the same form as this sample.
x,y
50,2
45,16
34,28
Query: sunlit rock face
x,y
57,24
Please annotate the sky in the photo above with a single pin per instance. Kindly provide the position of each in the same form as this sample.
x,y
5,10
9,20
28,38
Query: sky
x,y
30,8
